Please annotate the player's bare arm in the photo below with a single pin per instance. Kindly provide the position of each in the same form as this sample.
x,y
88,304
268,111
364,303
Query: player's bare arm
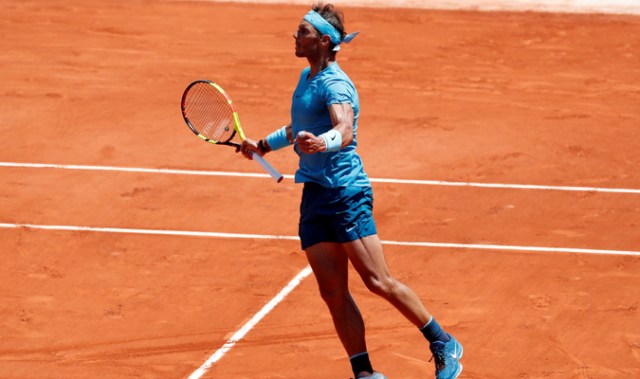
x,y
342,131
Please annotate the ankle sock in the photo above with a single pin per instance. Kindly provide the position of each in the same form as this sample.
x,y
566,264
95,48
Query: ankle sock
x,y
433,332
360,362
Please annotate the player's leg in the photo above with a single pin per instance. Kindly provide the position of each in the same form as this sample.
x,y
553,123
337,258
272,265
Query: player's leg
x,y
368,259
330,267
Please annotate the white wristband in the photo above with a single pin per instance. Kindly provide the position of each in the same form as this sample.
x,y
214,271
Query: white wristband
x,y
333,140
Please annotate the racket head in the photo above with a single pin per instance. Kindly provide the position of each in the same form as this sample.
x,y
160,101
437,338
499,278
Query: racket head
x,y
209,112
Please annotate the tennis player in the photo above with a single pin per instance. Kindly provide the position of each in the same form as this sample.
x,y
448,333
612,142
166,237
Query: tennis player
x,y
336,222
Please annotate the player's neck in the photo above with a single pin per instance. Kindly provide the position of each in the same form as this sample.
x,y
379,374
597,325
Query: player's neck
x,y
319,64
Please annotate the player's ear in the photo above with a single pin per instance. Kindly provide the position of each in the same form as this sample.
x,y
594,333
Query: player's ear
x,y
325,39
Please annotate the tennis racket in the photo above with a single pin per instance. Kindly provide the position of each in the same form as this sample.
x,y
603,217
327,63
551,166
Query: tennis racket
x,y
209,113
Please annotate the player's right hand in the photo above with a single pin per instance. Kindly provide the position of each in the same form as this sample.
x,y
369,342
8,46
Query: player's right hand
x,y
248,147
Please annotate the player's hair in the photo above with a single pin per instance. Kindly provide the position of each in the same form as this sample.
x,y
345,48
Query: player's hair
x,y
333,16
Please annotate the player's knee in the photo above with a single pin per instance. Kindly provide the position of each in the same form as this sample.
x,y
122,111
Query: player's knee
x,y
382,286
334,297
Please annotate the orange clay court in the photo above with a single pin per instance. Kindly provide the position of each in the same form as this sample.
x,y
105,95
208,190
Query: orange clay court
x,y
448,97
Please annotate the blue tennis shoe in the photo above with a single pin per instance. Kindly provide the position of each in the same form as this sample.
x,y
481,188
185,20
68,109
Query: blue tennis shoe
x,y
447,358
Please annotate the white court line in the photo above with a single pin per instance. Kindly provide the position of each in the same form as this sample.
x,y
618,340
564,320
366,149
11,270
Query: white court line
x,y
562,6
448,245
238,335
373,180
183,233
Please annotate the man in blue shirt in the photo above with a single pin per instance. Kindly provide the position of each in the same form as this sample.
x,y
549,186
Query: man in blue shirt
x,y
311,108
336,218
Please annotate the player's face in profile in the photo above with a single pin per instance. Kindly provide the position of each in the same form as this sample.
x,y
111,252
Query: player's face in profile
x,y
307,39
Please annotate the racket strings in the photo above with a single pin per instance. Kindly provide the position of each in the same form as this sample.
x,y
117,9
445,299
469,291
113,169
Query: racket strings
x,y
209,112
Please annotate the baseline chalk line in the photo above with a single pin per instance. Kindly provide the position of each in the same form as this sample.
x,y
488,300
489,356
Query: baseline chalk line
x,y
185,233
288,176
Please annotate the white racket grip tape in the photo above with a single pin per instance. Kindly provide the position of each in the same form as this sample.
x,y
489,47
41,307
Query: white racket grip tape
x,y
268,168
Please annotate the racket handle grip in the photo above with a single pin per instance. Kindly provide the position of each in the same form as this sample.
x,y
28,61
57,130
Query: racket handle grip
x,y
268,168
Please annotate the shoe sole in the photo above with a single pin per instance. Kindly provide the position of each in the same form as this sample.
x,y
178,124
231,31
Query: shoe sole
x,y
459,370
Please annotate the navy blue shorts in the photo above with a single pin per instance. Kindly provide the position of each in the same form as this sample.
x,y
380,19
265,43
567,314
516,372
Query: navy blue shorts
x,y
335,214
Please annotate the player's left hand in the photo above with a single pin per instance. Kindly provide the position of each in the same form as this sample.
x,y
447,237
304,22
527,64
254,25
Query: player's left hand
x,y
308,143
